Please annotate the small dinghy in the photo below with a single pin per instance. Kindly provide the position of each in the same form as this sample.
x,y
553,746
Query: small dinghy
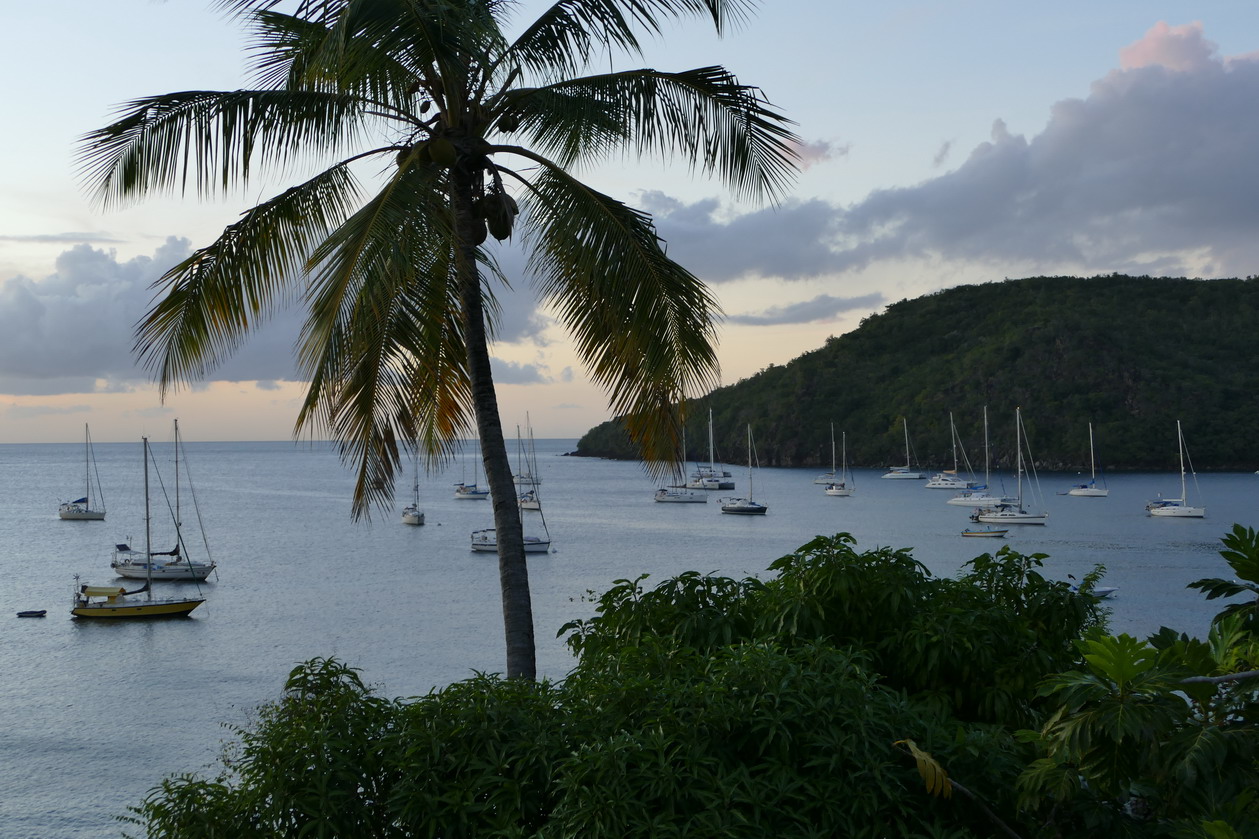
x,y
33,613
990,532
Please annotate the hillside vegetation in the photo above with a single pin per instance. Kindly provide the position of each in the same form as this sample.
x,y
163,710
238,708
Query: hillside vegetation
x,y
1130,354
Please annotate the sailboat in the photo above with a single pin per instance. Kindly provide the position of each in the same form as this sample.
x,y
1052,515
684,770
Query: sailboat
x,y
83,509
1090,489
828,477
465,491
111,601
979,496
745,506
163,565
527,475
681,493
412,514
710,477
845,486
1177,507
904,472
486,539
949,478
530,499
1012,513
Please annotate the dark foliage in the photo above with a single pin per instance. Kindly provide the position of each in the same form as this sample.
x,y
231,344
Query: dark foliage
x,y
1129,354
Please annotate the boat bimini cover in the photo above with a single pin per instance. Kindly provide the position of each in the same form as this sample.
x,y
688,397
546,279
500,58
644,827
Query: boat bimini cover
x,y
102,591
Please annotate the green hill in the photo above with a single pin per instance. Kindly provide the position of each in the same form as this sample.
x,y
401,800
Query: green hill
x,y
1130,354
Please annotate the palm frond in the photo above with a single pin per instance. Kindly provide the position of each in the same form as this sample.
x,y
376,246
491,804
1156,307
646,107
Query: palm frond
x,y
562,40
383,50
384,346
643,324
212,139
565,127
716,124
216,296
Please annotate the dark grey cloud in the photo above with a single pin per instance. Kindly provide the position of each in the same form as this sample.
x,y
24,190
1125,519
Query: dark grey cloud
x,y
514,373
824,307
791,241
73,331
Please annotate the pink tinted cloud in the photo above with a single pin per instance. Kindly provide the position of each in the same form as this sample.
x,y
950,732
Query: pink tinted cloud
x,y
1174,47
811,153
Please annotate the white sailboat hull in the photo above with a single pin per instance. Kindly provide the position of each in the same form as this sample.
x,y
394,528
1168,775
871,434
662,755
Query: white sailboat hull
x,y
1088,492
1010,517
680,495
743,507
979,499
164,571
486,541
839,490
412,515
1175,508
79,512
899,474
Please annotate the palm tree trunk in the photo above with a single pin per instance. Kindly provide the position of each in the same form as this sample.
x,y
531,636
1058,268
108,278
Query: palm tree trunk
x,y
513,572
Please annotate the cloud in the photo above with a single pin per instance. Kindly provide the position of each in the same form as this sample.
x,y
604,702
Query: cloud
x,y
821,308
73,331
788,242
1174,47
62,238
811,153
1154,172
515,373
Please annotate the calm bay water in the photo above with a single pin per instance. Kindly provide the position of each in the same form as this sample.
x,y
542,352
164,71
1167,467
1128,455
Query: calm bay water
x,y
95,714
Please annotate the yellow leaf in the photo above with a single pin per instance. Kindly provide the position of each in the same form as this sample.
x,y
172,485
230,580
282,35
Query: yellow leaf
x,y
933,774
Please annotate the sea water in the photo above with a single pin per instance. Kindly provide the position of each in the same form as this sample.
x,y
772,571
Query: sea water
x,y
97,713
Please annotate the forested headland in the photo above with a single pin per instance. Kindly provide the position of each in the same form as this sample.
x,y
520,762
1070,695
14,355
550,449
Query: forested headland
x,y
1132,355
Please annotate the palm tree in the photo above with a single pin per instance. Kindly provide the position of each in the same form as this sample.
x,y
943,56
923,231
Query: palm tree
x,y
463,133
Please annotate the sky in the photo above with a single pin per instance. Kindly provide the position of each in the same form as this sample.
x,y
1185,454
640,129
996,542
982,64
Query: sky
x,y
943,144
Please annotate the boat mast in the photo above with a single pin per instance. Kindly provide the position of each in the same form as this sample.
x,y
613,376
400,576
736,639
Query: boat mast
x,y
905,421
843,475
832,449
712,462
1018,447
178,524
87,467
987,467
750,463
1180,442
148,543
953,432
1092,462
